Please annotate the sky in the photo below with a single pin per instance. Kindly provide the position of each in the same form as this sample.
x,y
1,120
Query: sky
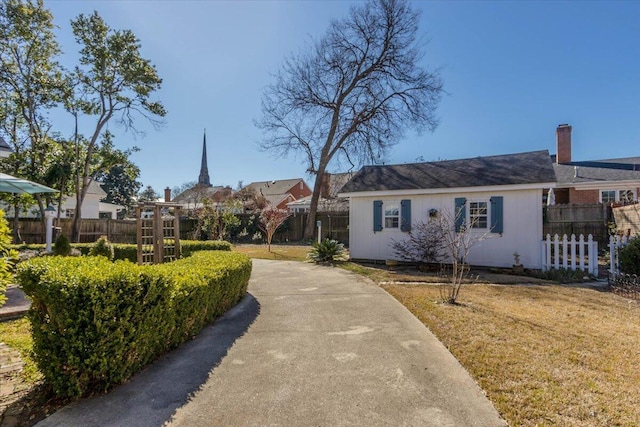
x,y
512,71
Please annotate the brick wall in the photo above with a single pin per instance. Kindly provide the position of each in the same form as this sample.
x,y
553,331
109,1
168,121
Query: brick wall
x,y
583,196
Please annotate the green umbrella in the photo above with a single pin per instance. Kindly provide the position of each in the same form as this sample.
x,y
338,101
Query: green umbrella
x,y
11,184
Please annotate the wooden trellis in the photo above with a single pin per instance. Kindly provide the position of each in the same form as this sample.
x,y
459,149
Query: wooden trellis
x,y
158,232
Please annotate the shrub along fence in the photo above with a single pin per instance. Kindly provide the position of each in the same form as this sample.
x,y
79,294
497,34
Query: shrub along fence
x,y
96,323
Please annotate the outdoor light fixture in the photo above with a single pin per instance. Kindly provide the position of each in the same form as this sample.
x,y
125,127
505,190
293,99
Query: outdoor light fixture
x,y
50,212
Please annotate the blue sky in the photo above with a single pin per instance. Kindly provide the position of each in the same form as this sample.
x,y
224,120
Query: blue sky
x,y
513,71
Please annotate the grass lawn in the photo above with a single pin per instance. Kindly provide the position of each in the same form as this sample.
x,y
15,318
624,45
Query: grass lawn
x,y
278,252
17,334
545,355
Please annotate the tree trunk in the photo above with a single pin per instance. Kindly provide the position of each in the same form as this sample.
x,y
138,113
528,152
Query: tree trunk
x,y
309,229
16,221
77,218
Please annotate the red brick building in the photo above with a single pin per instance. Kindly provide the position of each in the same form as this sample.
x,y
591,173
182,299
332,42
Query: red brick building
x,y
614,181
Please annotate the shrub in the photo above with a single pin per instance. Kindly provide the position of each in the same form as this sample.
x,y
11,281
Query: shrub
x,y
7,257
62,246
188,247
629,257
327,251
96,323
102,247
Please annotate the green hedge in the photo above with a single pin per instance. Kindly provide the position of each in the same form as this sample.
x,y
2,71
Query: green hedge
x,y
128,251
96,323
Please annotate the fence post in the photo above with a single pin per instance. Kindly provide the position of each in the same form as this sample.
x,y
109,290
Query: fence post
x,y
573,252
556,251
547,258
581,247
564,252
593,255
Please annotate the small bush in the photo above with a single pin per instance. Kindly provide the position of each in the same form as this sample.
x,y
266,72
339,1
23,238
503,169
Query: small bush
x,y
62,246
7,257
96,323
102,247
327,251
629,257
188,247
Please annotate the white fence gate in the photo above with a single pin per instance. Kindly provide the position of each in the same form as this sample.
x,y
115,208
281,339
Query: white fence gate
x,y
615,243
570,254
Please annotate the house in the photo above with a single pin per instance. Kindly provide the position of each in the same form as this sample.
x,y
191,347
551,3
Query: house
x,y
498,195
329,201
280,193
92,206
615,181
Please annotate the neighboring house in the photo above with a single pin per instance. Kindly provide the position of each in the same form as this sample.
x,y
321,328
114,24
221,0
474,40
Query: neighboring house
x,y
92,207
5,149
500,195
614,181
329,201
280,193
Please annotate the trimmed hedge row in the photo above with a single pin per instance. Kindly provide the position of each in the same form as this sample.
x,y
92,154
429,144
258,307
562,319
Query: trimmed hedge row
x,y
128,251
96,323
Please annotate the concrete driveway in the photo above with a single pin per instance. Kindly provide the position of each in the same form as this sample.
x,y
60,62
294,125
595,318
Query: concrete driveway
x,y
309,346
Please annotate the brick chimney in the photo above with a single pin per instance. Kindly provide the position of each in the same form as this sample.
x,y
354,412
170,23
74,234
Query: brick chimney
x,y
167,194
563,144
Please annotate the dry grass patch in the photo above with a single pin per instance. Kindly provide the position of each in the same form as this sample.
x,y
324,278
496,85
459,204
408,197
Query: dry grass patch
x,y
545,355
278,252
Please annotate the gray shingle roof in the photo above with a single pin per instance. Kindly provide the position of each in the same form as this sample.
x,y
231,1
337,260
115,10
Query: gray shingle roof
x,y
510,169
611,170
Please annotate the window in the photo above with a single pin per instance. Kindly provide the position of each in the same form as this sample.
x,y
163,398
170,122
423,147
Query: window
x,y
612,196
608,196
70,213
626,196
391,215
478,214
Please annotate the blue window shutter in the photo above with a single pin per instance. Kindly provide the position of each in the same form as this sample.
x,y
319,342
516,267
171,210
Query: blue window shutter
x,y
496,214
405,215
460,212
377,215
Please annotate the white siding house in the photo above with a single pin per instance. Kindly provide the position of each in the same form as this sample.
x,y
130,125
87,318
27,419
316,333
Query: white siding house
x,y
501,195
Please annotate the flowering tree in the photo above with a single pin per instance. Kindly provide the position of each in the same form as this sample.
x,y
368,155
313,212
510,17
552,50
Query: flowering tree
x,y
270,219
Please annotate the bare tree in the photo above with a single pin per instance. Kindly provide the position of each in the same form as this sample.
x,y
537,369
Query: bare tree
x,y
456,245
352,94
424,244
270,220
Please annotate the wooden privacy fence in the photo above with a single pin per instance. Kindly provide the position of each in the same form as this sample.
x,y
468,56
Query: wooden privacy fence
x,y
335,225
586,219
117,231
570,254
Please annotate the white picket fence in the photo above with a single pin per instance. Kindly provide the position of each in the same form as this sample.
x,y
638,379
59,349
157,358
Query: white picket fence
x,y
570,254
615,243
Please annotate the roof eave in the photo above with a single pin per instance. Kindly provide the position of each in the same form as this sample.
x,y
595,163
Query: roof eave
x,y
455,190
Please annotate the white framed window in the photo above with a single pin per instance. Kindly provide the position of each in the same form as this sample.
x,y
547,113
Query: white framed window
x,y
611,196
478,214
69,213
391,215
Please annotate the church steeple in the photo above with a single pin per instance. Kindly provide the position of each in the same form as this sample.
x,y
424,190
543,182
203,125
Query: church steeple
x,y
203,178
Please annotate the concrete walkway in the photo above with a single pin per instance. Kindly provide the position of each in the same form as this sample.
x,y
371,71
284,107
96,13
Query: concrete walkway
x,y
309,346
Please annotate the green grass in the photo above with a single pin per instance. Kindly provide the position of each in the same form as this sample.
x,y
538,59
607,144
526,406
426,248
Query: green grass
x,y
17,335
278,252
